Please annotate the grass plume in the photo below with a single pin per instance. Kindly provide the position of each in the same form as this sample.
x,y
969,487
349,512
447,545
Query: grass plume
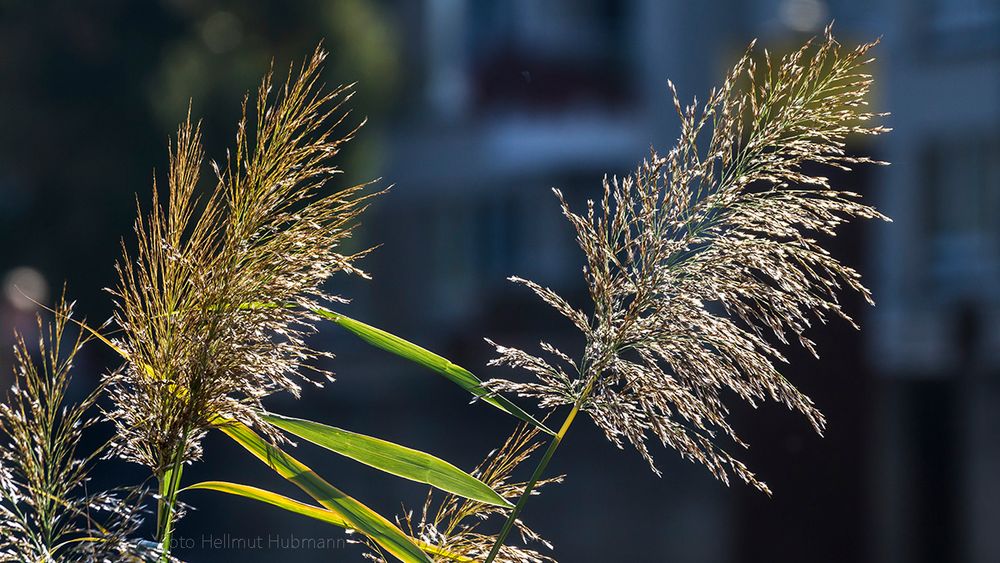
x,y
195,300
693,259
46,510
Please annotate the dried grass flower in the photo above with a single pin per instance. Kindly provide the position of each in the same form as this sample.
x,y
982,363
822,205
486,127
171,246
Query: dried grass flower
x,y
47,513
693,259
214,301
454,525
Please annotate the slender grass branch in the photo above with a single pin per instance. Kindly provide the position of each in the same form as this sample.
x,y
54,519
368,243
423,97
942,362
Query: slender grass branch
x,y
169,486
705,261
535,477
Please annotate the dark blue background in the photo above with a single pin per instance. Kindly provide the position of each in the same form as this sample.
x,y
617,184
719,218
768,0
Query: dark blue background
x,y
476,109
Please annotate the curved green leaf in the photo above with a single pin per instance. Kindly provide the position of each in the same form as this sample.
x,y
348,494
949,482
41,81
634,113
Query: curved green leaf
x,y
297,507
358,516
410,351
391,458
274,499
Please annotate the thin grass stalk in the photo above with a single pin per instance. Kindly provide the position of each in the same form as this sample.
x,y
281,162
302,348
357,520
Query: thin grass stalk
x,y
166,505
696,256
535,477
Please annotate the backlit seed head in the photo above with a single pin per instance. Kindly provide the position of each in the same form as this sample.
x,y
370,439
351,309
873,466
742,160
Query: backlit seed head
x,y
213,301
700,254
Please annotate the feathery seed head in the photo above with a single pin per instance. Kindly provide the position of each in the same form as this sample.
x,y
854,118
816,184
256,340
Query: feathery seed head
x,y
46,512
453,524
700,253
213,302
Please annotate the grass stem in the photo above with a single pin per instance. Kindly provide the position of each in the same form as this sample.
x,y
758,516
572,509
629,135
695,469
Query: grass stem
x,y
539,471
170,484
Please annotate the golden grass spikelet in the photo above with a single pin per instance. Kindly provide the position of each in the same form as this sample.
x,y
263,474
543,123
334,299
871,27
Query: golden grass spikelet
x,y
46,510
700,253
213,303
454,524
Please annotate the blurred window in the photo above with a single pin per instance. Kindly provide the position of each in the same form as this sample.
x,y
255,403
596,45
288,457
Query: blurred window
x,y
962,216
549,54
962,27
477,245
497,230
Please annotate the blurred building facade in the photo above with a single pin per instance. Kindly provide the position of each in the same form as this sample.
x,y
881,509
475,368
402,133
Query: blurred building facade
x,y
478,109
519,96
934,336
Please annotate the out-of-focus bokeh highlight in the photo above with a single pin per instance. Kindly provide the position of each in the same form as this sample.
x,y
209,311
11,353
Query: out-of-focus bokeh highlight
x,y
475,110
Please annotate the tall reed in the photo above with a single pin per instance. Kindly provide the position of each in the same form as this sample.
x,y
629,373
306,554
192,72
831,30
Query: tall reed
x,y
202,342
693,258
217,299
47,510
700,265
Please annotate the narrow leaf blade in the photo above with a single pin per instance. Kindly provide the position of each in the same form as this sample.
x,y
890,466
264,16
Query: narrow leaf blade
x,y
298,507
421,356
357,515
392,458
274,499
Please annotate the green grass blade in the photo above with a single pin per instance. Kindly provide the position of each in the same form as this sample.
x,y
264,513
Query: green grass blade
x,y
297,507
274,499
410,351
358,516
391,458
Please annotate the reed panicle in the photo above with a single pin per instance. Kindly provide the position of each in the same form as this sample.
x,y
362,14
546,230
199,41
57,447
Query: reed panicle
x,y
197,298
699,253
216,301
693,259
46,511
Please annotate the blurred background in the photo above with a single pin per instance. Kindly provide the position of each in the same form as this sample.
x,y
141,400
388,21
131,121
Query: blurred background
x,y
476,109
